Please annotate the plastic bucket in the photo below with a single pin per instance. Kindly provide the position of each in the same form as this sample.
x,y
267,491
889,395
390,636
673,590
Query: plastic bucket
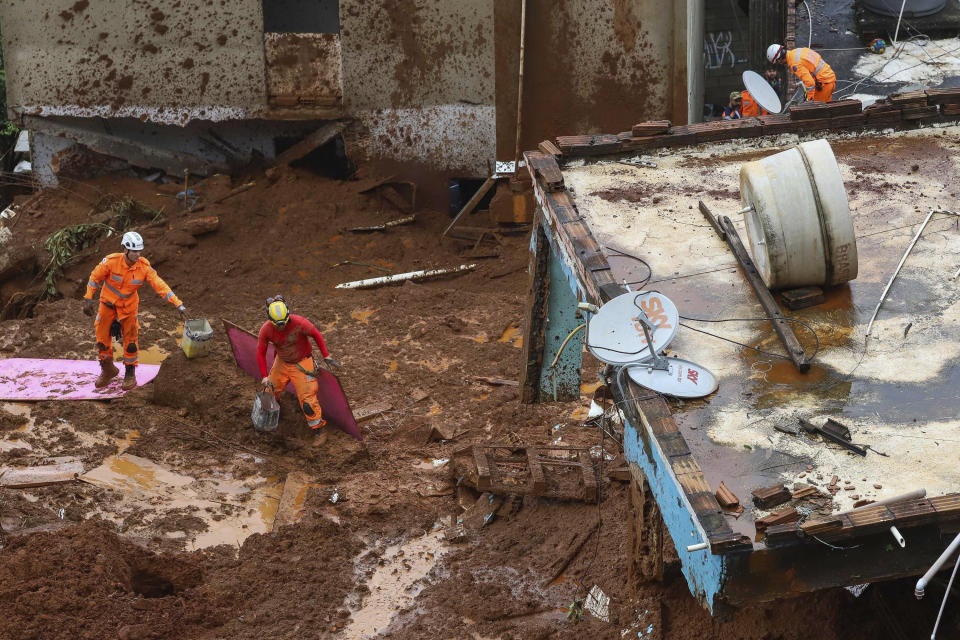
x,y
196,337
799,225
266,412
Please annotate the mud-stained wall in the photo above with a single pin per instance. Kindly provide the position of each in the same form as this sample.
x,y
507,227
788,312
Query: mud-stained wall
x,y
167,61
590,66
418,76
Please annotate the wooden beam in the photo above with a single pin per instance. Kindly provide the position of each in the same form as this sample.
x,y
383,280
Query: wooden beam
x,y
769,304
473,202
25,477
327,132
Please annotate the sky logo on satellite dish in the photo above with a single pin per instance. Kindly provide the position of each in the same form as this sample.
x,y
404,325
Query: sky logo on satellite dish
x,y
653,307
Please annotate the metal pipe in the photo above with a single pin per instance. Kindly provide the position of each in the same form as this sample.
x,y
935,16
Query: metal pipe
x,y
912,495
928,576
943,604
883,296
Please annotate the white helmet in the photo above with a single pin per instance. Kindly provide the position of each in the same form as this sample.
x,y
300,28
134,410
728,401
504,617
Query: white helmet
x,y
775,52
132,240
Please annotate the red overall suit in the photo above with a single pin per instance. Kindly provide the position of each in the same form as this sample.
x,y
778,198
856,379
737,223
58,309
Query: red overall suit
x,y
294,363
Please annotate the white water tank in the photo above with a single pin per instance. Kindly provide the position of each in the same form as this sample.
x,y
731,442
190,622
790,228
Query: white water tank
x,y
799,225
911,8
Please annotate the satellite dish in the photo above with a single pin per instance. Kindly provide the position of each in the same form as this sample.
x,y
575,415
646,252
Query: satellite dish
x,y
680,378
616,335
762,92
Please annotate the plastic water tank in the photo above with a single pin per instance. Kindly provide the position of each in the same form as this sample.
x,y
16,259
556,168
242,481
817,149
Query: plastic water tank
x,y
912,8
799,227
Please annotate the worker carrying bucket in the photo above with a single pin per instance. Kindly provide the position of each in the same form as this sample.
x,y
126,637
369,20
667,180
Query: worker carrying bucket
x,y
290,335
809,66
118,278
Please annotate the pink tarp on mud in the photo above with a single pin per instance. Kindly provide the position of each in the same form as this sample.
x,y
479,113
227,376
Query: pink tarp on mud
x,y
41,379
333,402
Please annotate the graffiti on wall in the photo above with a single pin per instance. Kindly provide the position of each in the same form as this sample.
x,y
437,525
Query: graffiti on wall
x,y
718,50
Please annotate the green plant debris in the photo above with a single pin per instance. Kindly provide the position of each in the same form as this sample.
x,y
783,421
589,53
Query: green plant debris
x,y
69,243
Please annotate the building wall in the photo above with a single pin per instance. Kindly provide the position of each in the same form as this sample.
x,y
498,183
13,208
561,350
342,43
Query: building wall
x,y
589,66
418,75
167,62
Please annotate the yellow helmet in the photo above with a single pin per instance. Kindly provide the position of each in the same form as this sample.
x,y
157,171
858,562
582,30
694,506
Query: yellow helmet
x,y
277,312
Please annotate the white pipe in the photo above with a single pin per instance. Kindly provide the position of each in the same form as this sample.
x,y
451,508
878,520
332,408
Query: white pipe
x,y
898,536
401,277
700,546
912,495
883,296
928,576
943,604
899,18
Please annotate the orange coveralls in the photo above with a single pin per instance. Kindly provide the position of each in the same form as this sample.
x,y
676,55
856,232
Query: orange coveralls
x,y
811,68
749,106
119,299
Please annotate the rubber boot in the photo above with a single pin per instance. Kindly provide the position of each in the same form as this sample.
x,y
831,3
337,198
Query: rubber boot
x,y
108,371
129,377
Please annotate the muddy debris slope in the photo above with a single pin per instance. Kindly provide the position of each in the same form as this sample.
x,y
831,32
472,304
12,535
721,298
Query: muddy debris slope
x,y
187,523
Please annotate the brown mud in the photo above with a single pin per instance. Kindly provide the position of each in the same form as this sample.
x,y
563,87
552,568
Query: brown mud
x,y
82,560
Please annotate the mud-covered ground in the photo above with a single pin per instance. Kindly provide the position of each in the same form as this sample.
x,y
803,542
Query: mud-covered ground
x,y
172,533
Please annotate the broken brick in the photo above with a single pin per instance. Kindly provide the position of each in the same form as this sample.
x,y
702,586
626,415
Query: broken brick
x,y
770,497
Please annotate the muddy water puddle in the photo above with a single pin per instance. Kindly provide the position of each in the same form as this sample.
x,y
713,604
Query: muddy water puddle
x,y
231,509
396,582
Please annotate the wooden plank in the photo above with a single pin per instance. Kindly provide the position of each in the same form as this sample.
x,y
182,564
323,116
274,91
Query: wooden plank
x,y
546,168
726,498
590,145
550,148
40,476
770,497
467,208
943,96
324,134
650,128
483,469
538,482
292,499
780,325
809,111
908,98
589,476
844,107
847,121
784,516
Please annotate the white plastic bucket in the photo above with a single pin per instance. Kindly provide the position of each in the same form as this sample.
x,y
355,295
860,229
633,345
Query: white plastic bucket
x,y
799,225
196,337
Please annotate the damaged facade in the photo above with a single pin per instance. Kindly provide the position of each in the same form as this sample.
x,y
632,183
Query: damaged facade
x,y
430,89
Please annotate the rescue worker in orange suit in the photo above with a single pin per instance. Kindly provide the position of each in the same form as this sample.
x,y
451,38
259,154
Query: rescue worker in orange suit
x,y
813,71
118,277
290,335
749,107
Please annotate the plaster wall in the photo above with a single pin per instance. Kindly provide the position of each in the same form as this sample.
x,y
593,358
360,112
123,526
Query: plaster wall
x,y
166,61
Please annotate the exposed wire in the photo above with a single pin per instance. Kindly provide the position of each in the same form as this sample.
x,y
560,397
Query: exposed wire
x,y
640,283
806,326
810,22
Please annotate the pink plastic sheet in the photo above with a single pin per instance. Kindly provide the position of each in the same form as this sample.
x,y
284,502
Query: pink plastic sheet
x,y
333,402
42,379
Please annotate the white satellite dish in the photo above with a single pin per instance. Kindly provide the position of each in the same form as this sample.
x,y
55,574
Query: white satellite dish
x,y
761,91
616,335
680,378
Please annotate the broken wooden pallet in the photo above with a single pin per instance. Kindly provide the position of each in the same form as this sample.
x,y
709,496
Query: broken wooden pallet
x,y
565,473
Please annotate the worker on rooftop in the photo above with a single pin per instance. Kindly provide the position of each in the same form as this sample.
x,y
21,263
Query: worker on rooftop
x,y
120,275
290,335
749,107
813,71
732,110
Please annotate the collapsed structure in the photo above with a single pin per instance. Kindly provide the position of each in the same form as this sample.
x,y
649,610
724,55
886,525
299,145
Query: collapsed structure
x,y
608,221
